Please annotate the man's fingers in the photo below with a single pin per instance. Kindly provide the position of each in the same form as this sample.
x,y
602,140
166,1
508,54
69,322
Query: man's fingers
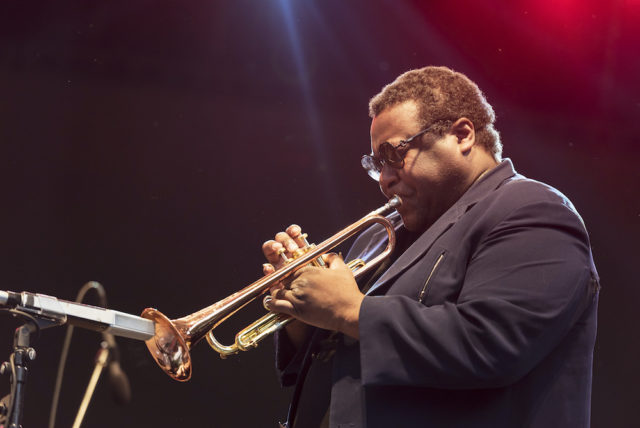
x,y
290,241
277,301
270,249
287,242
281,306
268,269
278,291
334,261
276,252
303,270
295,232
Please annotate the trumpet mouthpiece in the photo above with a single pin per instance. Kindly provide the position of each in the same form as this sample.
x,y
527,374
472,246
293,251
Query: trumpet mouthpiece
x,y
395,202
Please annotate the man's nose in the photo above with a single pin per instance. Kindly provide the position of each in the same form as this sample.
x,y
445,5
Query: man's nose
x,y
388,178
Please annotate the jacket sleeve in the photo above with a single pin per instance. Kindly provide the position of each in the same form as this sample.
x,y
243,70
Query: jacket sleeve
x,y
526,283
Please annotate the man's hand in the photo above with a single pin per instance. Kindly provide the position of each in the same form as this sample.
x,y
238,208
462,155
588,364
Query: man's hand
x,y
328,298
296,330
285,243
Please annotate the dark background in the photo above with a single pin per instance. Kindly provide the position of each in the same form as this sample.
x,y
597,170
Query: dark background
x,y
154,145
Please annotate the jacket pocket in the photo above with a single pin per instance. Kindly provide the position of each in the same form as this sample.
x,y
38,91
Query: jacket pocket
x,y
425,288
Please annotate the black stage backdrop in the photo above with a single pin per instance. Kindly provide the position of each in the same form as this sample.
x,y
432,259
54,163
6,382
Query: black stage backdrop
x,y
154,145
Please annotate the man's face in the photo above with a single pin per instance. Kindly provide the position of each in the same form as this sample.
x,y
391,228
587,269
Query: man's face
x,y
433,176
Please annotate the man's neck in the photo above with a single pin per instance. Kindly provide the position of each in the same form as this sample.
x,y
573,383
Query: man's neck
x,y
484,164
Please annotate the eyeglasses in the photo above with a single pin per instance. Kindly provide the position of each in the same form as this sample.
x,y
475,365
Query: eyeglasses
x,y
389,155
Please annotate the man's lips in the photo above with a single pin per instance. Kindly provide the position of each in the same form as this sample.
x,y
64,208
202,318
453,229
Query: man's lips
x,y
405,206
403,196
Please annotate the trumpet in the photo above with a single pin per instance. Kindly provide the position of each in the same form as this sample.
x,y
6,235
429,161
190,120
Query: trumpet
x,y
170,346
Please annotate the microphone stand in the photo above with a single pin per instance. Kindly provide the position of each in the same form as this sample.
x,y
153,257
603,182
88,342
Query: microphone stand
x,y
42,311
108,354
101,362
18,367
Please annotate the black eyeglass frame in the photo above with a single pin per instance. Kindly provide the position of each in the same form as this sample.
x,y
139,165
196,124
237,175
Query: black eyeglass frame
x,y
390,155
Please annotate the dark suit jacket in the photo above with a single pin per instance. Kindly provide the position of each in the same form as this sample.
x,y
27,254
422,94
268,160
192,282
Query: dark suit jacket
x,y
487,320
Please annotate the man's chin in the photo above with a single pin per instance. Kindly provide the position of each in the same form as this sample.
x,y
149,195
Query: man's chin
x,y
409,222
413,223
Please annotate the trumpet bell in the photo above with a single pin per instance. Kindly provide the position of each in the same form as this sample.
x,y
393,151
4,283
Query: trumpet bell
x,y
168,346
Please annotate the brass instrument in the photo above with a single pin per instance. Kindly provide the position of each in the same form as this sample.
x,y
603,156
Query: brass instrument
x,y
174,338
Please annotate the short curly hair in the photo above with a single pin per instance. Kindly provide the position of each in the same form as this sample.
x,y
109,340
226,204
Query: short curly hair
x,y
443,95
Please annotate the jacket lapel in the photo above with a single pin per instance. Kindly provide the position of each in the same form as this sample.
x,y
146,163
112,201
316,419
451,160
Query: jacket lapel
x,y
485,185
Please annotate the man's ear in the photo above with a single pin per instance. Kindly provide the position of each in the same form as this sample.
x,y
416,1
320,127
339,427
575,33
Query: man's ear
x,y
464,131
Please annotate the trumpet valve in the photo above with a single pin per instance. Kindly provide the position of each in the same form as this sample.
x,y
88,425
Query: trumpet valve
x,y
303,237
299,252
281,252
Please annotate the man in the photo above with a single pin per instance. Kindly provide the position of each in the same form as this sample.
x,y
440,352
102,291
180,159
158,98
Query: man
x,y
484,316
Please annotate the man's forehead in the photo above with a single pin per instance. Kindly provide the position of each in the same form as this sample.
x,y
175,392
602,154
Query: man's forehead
x,y
396,120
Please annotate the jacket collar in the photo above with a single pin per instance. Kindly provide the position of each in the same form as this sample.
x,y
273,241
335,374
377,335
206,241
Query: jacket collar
x,y
493,179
